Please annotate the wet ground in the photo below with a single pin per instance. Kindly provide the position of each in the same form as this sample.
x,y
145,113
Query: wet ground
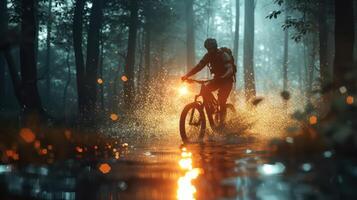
x,y
218,170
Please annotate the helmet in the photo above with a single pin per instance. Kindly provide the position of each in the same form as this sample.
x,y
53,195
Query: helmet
x,y
210,43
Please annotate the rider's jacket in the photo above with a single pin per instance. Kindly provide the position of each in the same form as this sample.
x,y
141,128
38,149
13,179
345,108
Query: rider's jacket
x,y
216,62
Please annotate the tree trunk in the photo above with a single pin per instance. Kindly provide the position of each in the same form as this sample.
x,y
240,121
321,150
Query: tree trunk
x,y
344,72
286,56
147,56
130,59
323,50
230,19
15,79
101,93
311,65
78,54
249,80
32,101
190,34
236,33
141,59
48,53
300,79
355,24
3,28
92,62
65,91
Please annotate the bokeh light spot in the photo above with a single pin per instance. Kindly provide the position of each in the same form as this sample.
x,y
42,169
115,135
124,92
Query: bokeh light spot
x,y
67,134
44,151
79,149
27,135
37,144
350,100
124,78
104,168
313,120
343,89
114,117
100,81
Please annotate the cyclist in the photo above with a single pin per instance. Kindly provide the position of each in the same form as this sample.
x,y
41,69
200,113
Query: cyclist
x,y
221,65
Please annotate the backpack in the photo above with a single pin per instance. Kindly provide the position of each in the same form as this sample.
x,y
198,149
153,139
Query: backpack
x,y
229,52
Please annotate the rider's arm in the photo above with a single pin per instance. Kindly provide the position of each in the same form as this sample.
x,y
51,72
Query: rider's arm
x,y
228,65
203,62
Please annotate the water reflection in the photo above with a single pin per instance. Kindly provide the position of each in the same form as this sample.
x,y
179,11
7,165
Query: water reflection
x,y
206,171
186,189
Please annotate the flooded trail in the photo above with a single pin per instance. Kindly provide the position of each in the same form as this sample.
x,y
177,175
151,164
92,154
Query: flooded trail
x,y
164,171
217,170
182,172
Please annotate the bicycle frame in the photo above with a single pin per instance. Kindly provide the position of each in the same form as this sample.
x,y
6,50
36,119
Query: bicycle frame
x,y
209,103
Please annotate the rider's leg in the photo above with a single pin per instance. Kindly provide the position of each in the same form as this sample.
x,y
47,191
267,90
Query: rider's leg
x,y
223,94
209,88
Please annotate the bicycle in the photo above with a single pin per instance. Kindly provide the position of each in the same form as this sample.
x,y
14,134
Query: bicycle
x,y
193,120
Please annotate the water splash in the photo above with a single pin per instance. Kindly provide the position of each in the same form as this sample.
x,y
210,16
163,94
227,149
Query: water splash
x,y
158,116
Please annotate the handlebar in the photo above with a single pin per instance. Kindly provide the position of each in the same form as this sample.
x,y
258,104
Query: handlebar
x,y
197,81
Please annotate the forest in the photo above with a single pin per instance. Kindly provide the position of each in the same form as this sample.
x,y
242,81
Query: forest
x,y
95,84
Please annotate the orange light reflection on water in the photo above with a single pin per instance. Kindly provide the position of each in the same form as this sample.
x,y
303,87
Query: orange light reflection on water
x,y
186,190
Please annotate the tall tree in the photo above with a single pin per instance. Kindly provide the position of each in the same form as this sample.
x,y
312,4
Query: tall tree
x,y
344,72
78,54
130,57
31,97
286,54
248,62
87,73
148,31
236,32
3,28
325,76
312,47
48,52
92,61
190,34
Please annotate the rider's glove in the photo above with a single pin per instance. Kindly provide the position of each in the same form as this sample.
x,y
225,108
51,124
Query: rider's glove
x,y
184,78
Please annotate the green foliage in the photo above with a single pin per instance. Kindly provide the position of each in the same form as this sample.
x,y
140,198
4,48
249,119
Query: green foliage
x,y
274,14
302,16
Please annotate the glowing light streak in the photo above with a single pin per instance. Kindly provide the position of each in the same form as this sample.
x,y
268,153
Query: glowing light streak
x,y
186,163
186,190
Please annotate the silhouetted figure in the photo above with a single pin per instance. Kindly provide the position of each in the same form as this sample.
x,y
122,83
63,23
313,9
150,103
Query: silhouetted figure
x,y
221,64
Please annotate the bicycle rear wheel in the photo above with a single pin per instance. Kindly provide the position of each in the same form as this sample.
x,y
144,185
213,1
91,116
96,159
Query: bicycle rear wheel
x,y
192,123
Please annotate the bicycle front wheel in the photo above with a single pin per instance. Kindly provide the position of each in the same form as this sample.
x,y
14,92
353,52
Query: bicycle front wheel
x,y
192,123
